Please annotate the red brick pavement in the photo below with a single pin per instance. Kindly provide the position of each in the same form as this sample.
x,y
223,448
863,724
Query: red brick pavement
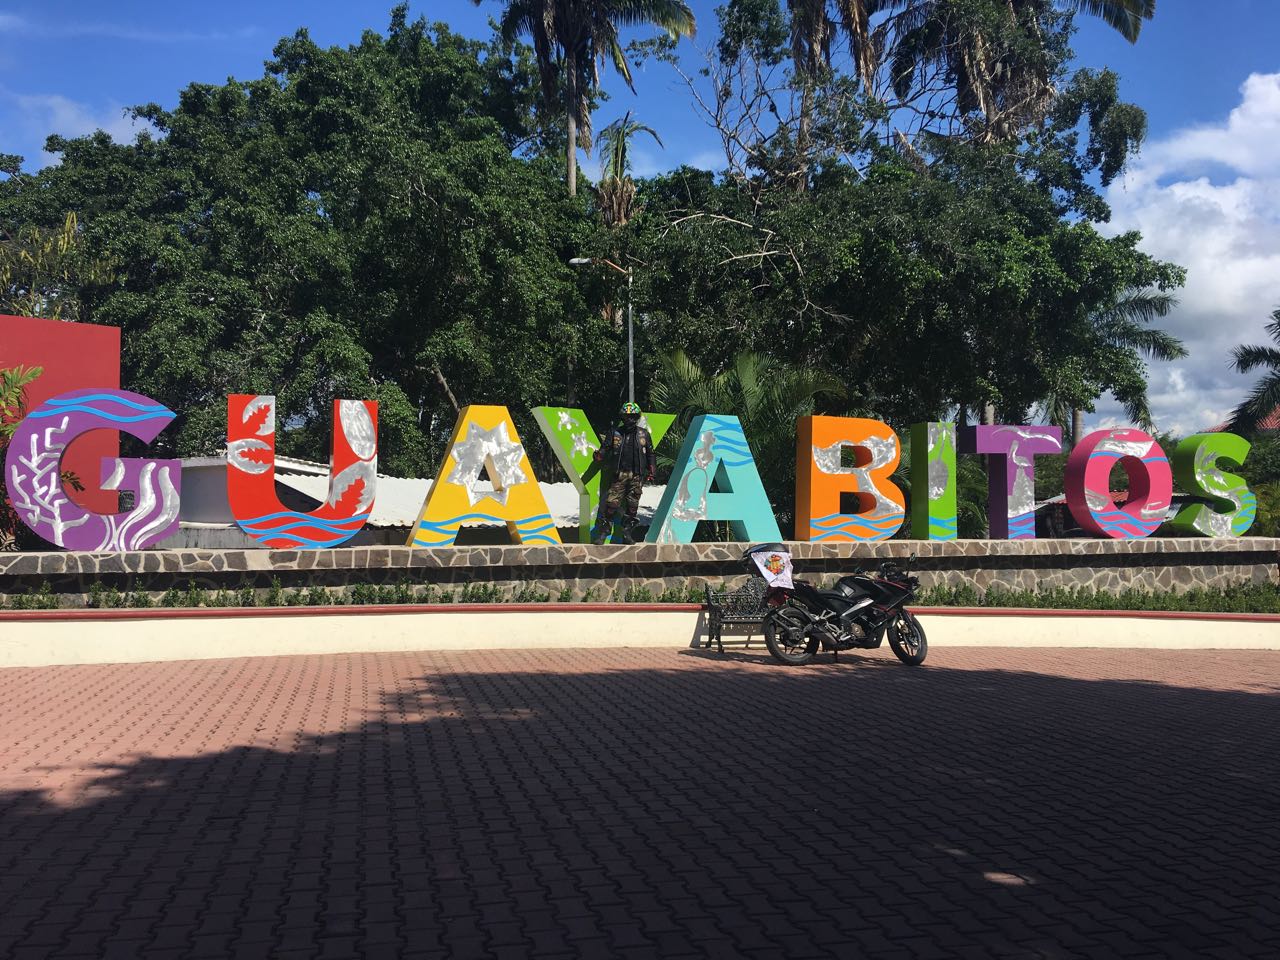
x,y
643,803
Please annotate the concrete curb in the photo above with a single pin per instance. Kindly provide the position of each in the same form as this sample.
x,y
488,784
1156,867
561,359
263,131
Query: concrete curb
x,y
63,637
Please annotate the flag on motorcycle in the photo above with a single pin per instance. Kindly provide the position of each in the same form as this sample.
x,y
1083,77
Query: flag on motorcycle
x,y
775,567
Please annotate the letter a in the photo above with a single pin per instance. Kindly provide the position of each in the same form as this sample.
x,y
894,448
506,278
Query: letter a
x,y
714,454
484,439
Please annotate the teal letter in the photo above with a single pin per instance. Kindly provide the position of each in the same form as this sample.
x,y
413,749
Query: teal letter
x,y
715,479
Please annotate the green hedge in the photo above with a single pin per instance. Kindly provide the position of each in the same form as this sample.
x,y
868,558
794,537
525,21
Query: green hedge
x,y
1241,598
110,598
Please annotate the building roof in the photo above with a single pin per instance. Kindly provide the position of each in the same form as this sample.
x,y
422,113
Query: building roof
x,y
398,500
1268,424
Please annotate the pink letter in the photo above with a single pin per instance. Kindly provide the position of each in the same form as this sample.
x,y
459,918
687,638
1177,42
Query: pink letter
x,y
1088,485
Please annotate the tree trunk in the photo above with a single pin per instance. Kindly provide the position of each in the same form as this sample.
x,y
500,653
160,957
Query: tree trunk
x,y
989,414
1077,426
571,159
453,401
802,136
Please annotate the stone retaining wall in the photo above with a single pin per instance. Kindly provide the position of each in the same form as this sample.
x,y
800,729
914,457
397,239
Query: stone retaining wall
x,y
608,572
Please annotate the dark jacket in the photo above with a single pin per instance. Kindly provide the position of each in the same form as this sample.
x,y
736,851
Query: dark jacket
x,y
628,450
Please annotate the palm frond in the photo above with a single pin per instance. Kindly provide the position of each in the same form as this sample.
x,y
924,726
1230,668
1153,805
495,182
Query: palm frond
x,y
1154,343
1125,16
1140,306
673,16
1245,358
1258,406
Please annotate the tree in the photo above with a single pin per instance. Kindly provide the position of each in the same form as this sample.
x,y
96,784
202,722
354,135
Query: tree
x,y
990,66
571,38
766,393
617,191
1121,333
43,270
347,224
1264,399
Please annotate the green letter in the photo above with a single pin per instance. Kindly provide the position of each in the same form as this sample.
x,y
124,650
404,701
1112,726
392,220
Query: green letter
x,y
1232,506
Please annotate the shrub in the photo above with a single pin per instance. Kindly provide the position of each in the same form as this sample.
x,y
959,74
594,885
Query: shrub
x,y
529,593
42,599
480,593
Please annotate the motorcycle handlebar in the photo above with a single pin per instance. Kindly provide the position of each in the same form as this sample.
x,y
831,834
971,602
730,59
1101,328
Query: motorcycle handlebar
x,y
889,566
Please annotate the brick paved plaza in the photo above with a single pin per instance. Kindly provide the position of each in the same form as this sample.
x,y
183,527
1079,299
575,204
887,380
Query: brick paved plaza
x,y
644,803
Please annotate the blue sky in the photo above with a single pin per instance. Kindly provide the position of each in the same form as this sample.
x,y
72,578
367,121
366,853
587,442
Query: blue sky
x,y
1206,191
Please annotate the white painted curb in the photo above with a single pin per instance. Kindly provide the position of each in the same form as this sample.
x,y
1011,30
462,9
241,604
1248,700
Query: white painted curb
x,y
47,638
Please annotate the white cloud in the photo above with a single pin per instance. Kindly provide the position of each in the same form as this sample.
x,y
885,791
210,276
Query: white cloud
x,y
29,118
11,23
707,160
646,162
1208,197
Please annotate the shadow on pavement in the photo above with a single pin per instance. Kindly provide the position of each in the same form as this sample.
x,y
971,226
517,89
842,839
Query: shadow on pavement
x,y
855,808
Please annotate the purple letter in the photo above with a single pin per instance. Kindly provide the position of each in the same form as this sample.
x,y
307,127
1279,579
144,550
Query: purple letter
x,y
1011,476
33,470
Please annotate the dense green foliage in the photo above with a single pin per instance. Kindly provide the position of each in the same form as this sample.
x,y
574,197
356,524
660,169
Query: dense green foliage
x,y
1264,400
1240,598
389,220
344,226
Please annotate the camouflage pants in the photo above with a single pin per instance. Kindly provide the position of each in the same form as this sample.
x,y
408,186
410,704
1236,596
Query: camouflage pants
x,y
624,489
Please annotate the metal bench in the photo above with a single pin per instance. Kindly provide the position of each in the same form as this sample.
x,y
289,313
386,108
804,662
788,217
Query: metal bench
x,y
744,605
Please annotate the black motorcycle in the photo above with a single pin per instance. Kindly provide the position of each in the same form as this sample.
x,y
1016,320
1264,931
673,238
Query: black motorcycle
x,y
856,614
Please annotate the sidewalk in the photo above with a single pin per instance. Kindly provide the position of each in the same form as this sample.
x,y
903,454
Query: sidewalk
x,y
644,803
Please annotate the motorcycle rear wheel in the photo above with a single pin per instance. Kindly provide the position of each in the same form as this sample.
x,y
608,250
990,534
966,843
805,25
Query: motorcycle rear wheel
x,y
784,635
907,639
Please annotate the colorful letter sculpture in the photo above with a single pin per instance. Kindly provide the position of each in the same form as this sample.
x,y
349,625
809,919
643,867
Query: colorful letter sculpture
x,y
574,443
33,472
1233,507
484,440
1088,487
1011,475
251,475
714,454
821,478
933,481
71,356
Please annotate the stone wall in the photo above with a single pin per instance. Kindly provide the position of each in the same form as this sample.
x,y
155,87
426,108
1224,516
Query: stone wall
x,y
608,572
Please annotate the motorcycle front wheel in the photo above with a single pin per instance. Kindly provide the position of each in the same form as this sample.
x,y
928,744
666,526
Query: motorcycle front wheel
x,y
784,635
907,639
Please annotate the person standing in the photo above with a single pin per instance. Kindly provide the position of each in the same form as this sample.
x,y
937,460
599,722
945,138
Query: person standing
x,y
627,460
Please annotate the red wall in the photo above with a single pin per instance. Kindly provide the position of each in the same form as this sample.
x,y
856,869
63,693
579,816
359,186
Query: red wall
x,y
74,356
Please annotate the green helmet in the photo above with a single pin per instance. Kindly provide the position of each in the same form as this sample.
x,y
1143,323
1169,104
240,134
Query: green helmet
x,y
631,409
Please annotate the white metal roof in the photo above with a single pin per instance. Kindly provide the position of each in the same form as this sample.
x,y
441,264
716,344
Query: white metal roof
x,y
399,500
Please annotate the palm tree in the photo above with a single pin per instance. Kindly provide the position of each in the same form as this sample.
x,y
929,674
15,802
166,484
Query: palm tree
x,y
1123,324
814,28
1265,398
571,38
617,191
1006,88
767,394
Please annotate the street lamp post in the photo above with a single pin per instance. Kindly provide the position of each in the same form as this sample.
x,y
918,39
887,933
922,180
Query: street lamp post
x,y
631,337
